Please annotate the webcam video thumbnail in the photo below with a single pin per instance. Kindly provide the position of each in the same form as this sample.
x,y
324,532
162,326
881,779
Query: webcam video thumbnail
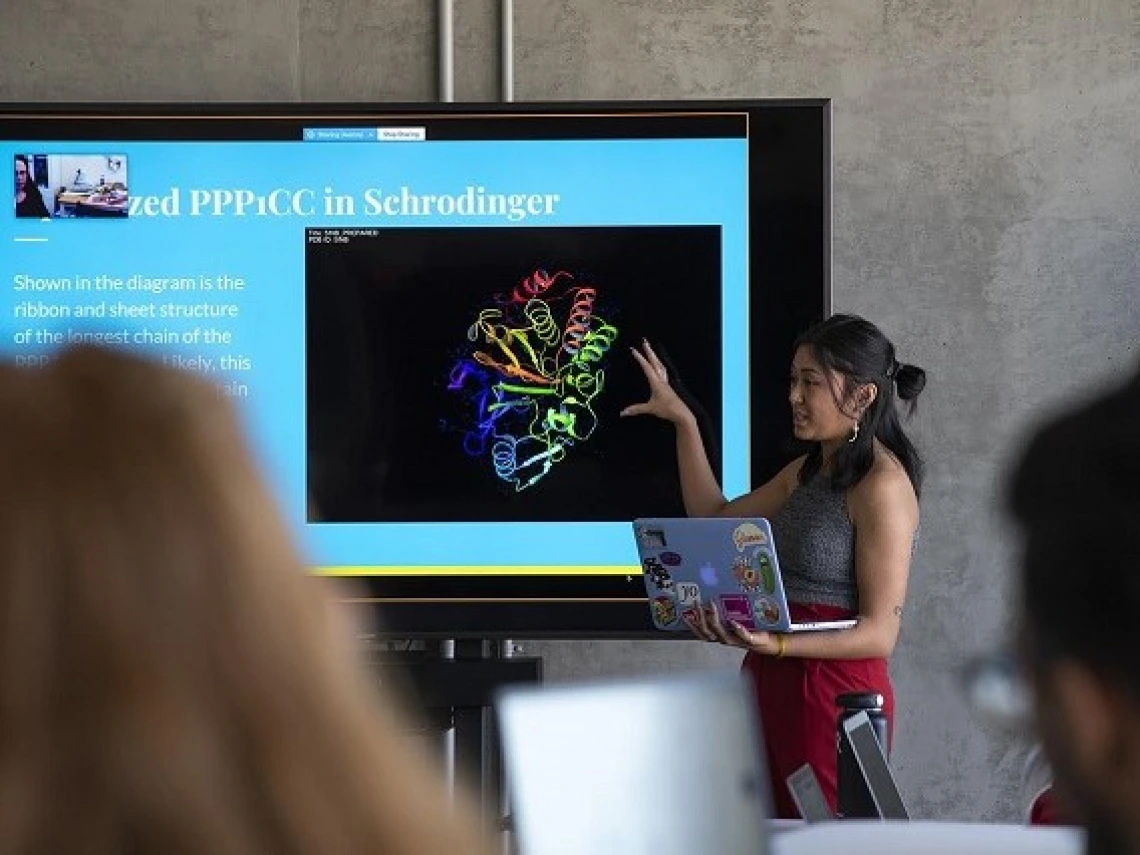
x,y
66,186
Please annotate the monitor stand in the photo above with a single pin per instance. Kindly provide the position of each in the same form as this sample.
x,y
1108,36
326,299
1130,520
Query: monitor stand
x,y
450,686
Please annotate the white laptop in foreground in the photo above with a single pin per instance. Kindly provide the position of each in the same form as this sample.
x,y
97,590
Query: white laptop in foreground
x,y
730,563
670,765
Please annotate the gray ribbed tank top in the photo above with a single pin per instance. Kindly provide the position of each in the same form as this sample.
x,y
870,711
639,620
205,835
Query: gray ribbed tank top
x,y
815,543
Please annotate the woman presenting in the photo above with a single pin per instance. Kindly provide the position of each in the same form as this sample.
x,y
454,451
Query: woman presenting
x,y
29,202
844,516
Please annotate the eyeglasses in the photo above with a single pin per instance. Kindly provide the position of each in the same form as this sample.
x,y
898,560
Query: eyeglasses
x,y
996,690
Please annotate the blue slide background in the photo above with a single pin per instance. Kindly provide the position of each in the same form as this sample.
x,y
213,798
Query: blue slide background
x,y
626,182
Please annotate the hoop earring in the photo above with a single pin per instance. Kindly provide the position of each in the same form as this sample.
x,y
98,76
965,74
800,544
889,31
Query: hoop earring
x,y
854,433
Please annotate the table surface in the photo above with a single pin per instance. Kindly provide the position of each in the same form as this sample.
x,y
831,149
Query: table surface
x,y
924,838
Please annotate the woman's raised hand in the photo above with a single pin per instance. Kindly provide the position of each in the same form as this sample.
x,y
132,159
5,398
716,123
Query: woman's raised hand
x,y
663,402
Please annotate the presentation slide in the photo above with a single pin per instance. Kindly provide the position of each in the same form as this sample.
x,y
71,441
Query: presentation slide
x,y
428,337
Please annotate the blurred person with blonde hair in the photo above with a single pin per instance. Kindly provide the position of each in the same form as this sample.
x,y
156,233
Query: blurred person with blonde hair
x,y
170,679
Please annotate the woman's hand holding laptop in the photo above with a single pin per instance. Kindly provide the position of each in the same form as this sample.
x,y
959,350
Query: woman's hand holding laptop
x,y
707,625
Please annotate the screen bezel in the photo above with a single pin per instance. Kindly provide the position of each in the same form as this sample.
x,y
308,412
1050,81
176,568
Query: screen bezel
x,y
790,159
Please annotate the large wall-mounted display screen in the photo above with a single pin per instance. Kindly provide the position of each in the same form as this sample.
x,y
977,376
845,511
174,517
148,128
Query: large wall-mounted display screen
x,y
425,315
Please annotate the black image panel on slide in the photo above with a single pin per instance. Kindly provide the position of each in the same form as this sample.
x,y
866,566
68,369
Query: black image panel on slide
x,y
393,437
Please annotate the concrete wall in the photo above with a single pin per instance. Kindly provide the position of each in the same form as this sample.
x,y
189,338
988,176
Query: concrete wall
x,y
986,209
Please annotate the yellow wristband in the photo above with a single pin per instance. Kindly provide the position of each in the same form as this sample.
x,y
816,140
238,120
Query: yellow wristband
x,y
781,646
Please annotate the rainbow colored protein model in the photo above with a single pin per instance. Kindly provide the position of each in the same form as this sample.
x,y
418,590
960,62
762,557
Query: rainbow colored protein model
x,y
535,368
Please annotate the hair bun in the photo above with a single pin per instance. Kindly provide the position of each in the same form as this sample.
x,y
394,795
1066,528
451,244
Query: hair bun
x,y
910,380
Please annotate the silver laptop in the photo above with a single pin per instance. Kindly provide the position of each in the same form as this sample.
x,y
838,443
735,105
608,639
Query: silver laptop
x,y
808,795
668,765
860,736
729,563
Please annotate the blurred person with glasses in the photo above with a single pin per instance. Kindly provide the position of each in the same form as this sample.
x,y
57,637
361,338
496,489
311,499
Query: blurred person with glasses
x,y
1075,496
997,691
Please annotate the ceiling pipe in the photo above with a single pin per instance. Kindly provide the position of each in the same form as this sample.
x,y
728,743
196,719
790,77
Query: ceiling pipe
x,y
446,34
507,50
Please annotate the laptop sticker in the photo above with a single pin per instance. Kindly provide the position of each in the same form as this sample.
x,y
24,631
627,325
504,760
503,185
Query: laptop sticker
x,y
652,538
767,610
656,571
688,594
671,558
767,574
735,607
748,534
747,575
665,610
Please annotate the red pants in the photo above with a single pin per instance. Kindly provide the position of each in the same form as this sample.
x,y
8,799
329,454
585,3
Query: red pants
x,y
1044,811
798,711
